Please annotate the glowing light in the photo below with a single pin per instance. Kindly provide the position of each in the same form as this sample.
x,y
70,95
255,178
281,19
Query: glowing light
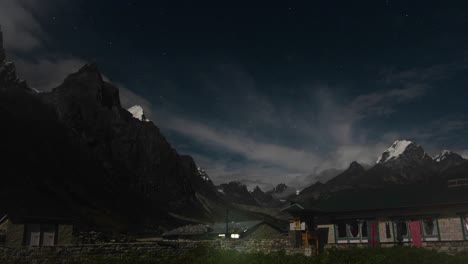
x,y
235,236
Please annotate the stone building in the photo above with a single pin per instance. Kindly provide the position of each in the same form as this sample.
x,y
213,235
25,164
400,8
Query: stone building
x,y
16,231
410,215
235,230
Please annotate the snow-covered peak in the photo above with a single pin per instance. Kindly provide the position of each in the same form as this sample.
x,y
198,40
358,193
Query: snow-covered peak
x,y
442,155
137,112
397,148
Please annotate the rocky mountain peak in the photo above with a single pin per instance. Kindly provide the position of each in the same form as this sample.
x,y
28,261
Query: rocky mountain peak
x,y
203,175
280,188
397,149
445,154
237,192
8,78
2,50
447,159
88,87
403,152
355,166
257,190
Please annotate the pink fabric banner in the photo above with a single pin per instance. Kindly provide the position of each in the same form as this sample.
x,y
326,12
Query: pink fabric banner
x,y
416,237
373,235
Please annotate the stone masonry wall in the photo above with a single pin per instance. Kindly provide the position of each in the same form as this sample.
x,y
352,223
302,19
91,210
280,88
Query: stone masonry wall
x,y
450,228
451,247
383,231
161,250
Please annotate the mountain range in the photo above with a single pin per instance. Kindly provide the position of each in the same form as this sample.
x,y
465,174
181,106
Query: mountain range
x,y
237,192
76,152
403,163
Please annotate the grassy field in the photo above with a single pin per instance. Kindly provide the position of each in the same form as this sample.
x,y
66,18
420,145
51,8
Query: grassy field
x,y
395,255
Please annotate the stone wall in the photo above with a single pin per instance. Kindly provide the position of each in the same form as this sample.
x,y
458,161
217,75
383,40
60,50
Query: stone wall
x,y
450,228
451,247
383,231
14,235
161,250
64,234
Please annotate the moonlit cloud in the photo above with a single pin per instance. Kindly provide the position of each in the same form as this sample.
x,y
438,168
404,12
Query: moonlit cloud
x,y
46,74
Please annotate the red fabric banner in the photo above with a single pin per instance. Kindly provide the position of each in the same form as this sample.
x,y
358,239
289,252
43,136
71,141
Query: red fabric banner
x,y
373,235
416,237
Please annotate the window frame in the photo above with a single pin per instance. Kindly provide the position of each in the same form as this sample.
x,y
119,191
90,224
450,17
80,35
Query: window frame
x,y
424,237
464,216
349,238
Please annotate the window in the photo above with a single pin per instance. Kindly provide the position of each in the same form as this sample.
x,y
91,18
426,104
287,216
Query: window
x,y
388,234
429,226
40,235
429,229
364,229
464,220
402,229
353,231
341,228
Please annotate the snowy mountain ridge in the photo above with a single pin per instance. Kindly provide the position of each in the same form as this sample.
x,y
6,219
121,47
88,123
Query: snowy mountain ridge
x,y
138,113
442,155
395,151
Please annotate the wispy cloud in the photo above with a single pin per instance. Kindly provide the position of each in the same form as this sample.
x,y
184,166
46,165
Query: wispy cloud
x,y
46,74
331,129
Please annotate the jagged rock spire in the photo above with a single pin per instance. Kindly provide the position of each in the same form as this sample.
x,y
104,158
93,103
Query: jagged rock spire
x,y
2,50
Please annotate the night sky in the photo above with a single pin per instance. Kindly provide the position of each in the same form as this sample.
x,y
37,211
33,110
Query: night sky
x,y
264,93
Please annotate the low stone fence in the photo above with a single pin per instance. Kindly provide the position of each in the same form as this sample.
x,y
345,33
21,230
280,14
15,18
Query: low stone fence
x,y
451,247
161,250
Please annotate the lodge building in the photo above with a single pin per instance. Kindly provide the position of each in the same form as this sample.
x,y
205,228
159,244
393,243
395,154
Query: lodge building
x,y
411,215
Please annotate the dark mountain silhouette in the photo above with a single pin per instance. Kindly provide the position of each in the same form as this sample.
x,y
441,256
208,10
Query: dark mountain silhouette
x,y
75,151
237,192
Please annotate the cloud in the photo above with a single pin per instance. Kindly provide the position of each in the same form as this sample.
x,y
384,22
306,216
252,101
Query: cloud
x,y
317,133
439,132
21,22
22,30
463,153
46,74
234,141
249,173
128,98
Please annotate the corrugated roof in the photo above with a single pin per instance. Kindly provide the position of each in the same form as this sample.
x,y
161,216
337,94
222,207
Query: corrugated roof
x,y
217,228
235,227
189,230
391,198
